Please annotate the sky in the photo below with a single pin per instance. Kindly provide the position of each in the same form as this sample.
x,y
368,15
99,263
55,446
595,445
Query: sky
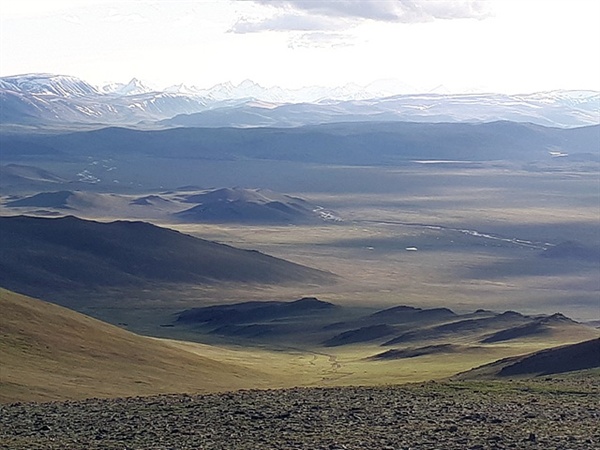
x,y
505,46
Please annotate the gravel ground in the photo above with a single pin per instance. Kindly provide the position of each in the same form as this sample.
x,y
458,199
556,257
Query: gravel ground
x,y
535,415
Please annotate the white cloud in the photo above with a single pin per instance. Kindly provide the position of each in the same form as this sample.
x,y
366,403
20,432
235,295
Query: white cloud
x,y
353,11
320,39
284,22
527,45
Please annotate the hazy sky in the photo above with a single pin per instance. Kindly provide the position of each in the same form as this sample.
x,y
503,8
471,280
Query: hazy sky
x,y
496,45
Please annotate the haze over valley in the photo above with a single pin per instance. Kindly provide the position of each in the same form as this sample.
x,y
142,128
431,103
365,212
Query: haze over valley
x,y
355,250
463,215
494,215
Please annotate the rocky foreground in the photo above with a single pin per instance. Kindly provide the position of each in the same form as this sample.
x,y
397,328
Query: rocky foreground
x,y
541,414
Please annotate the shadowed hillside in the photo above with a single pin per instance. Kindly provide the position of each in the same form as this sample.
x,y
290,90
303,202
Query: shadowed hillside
x,y
253,311
538,327
574,250
419,351
44,200
567,358
411,331
364,334
19,175
51,254
251,206
340,143
461,327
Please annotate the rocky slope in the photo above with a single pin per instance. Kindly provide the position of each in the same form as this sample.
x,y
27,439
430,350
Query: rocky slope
x,y
543,414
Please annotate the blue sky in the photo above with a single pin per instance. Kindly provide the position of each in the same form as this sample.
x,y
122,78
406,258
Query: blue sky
x,y
481,45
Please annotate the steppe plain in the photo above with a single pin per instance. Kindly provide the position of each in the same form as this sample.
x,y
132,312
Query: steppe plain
x,y
464,236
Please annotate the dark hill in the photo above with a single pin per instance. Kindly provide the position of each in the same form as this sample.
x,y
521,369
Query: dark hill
x,y
234,194
364,334
385,322
48,254
19,176
341,143
249,312
44,200
419,351
251,206
150,200
573,250
536,327
567,358
402,313
460,327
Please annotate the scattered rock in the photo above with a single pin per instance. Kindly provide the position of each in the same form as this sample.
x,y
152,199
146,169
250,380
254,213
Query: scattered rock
x,y
415,416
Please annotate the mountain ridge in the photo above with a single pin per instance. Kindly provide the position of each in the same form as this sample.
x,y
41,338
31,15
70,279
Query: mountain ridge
x,y
52,255
339,143
52,100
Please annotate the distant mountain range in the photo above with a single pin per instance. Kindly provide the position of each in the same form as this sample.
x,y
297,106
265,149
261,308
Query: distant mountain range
x,y
64,101
345,143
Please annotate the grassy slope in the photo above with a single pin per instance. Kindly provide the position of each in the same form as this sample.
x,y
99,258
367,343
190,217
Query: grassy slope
x,y
49,352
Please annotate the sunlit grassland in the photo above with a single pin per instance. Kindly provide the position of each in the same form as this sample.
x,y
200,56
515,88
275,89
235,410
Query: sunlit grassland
x,y
352,365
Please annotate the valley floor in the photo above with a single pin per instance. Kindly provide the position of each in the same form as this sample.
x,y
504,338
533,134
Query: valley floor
x,y
545,413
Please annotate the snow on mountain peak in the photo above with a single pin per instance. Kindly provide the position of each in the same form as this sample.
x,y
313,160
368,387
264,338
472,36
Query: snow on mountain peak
x,y
183,89
248,84
28,96
49,84
133,87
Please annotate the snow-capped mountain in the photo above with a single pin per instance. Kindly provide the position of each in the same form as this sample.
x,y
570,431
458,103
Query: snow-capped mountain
x,y
58,100
248,89
183,89
48,85
134,87
556,109
44,99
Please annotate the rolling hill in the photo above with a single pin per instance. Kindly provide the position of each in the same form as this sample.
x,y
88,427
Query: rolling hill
x,y
17,176
224,205
49,352
252,206
562,359
408,330
249,312
43,255
538,327
59,200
